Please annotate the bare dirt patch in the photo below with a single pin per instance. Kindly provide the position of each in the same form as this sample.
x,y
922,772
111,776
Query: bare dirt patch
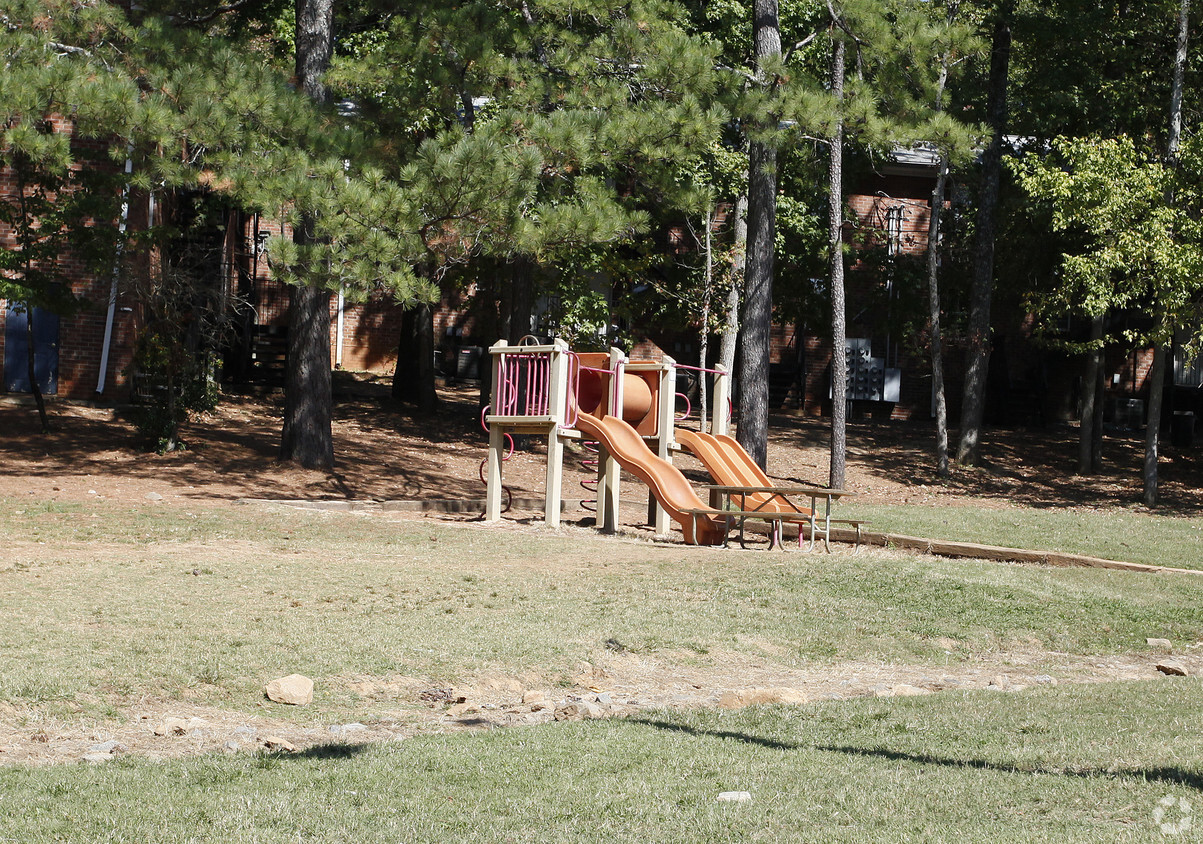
x,y
385,452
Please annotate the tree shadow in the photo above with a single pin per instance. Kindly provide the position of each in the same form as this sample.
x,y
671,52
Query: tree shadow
x,y
329,750
1173,775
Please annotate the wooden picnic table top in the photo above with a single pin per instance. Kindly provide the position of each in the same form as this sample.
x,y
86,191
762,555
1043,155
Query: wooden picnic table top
x,y
760,514
783,490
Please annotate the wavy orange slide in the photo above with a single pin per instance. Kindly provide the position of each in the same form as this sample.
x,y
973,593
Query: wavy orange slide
x,y
728,463
665,480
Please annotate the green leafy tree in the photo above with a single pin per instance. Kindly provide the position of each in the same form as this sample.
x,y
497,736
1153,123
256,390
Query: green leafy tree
x,y
1138,250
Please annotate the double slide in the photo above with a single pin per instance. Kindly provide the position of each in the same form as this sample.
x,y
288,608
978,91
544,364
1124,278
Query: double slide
x,y
723,457
665,480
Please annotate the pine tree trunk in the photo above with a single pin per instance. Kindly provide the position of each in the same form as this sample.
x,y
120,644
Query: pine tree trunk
x,y
933,301
522,297
414,379
1092,399
933,281
758,302
977,362
704,334
835,199
31,364
308,401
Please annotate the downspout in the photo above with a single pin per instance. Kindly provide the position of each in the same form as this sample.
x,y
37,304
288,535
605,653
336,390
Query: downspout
x,y
338,340
112,310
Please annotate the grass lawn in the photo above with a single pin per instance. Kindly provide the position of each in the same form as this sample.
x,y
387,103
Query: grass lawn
x,y
1067,764
108,606
1113,534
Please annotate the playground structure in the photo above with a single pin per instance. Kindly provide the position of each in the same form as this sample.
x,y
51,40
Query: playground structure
x,y
628,408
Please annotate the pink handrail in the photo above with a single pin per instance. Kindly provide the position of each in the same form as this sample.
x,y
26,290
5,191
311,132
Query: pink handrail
x,y
701,369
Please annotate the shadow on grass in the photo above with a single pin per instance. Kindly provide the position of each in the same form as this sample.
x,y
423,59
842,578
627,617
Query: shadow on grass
x,y
1178,776
772,744
331,750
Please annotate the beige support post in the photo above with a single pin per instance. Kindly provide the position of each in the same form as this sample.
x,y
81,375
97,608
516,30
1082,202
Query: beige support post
x,y
557,408
720,409
493,487
608,470
665,422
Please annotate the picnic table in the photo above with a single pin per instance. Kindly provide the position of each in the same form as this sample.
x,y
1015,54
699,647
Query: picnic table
x,y
767,506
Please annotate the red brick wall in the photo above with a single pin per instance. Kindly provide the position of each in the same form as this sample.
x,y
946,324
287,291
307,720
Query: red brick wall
x,y
81,335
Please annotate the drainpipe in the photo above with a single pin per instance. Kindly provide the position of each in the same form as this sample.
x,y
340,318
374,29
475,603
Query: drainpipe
x,y
338,340
108,319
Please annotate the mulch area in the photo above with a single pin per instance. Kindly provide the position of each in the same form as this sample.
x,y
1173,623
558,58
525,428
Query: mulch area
x,y
385,451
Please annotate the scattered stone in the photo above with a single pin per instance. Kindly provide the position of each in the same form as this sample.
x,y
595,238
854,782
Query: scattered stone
x,y
540,705
233,746
462,708
1044,680
246,730
96,758
1164,646
339,729
110,746
907,690
172,727
533,697
752,697
1001,683
592,710
733,797
153,496
277,743
295,690
1173,667
605,699
569,712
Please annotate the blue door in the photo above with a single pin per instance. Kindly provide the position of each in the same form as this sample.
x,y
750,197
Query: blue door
x,y
16,350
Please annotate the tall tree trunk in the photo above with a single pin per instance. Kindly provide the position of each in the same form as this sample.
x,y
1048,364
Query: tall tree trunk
x,y
414,379
933,301
835,235
726,349
933,279
762,222
307,438
1153,426
1157,387
977,361
704,334
522,297
308,401
31,366
1092,399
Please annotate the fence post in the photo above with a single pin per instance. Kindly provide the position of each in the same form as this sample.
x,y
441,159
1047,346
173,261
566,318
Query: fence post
x,y
608,469
666,413
496,439
720,410
557,409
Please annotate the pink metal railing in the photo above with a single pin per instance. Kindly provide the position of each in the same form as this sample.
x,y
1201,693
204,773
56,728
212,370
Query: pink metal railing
x,y
523,384
688,404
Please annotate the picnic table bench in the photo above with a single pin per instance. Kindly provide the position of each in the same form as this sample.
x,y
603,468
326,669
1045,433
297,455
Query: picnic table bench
x,y
772,510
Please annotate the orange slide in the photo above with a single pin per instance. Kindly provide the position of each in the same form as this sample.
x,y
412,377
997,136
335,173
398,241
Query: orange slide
x,y
728,463
665,480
